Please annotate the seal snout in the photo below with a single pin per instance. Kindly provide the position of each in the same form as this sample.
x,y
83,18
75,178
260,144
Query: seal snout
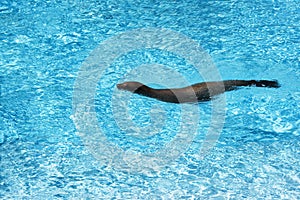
x,y
120,86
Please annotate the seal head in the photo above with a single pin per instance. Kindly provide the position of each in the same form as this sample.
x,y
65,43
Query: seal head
x,y
131,86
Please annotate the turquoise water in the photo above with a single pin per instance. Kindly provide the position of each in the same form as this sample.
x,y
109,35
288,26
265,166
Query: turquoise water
x,y
42,49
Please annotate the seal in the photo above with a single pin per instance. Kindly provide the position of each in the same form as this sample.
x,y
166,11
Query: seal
x,y
198,92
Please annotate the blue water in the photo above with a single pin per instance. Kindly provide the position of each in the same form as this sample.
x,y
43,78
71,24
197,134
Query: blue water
x,y
43,45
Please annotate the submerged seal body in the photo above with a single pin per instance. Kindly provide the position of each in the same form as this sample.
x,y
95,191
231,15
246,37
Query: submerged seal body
x,y
195,93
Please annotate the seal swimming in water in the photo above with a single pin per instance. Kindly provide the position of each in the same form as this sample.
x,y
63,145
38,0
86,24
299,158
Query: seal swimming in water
x,y
198,92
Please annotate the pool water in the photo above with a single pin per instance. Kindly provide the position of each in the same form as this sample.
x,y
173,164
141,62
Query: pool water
x,y
43,47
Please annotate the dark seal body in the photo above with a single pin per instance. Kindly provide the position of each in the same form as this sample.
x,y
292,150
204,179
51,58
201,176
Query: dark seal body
x,y
195,93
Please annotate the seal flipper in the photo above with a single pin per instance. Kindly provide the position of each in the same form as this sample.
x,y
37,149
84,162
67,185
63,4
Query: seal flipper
x,y
233,84
266,83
